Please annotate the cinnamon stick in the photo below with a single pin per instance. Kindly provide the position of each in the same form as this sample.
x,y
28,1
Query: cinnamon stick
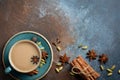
x,y
80,67
94,73
85,67
91,71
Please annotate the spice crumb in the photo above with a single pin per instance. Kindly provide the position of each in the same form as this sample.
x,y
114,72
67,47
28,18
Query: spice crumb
x,y
118,71
72,74
60,68
57,70
102,67
109,70
109,74
38,43
84,47
34,39
80,46
113,67
58,48
58,64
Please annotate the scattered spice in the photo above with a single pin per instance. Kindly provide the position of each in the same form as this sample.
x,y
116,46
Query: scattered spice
x,y
57,70
109,74
84,47
60,68
113,67
91,54
56,45
35,59
64,58
58,64
38,43
103,58
58,41
41,47
42,62
109,70
118,71
58,48
72,74
34,72
34,39
102,67
44,55
80,46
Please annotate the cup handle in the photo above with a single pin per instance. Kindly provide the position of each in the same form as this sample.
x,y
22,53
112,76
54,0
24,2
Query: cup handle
x,y
8,70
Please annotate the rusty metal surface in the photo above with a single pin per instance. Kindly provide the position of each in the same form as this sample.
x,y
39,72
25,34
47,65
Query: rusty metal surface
x,y
91,22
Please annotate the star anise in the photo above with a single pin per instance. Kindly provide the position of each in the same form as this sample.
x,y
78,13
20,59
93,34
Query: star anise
x,y
103,58
44,55
91,55
35,59
64,58
34,72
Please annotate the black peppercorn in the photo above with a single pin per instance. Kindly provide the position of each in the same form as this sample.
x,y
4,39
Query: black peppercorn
x,y
34,39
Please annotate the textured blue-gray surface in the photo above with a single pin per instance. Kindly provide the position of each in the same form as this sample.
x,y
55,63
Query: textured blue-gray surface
x,y
95,23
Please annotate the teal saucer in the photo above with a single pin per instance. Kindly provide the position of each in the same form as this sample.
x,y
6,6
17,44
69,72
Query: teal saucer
x,y
27,35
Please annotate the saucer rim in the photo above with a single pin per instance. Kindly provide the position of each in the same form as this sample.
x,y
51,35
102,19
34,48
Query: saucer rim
x,y
33,33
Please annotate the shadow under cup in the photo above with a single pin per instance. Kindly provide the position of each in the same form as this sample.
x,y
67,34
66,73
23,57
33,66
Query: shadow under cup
x,y
24,56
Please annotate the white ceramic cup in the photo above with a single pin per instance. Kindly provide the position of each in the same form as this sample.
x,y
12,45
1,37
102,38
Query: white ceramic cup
x,y
21,60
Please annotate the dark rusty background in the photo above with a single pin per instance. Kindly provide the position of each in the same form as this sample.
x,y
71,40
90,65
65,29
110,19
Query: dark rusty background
x,y
95,23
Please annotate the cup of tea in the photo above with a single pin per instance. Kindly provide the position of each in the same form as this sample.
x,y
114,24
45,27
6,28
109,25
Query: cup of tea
x,y
24,57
